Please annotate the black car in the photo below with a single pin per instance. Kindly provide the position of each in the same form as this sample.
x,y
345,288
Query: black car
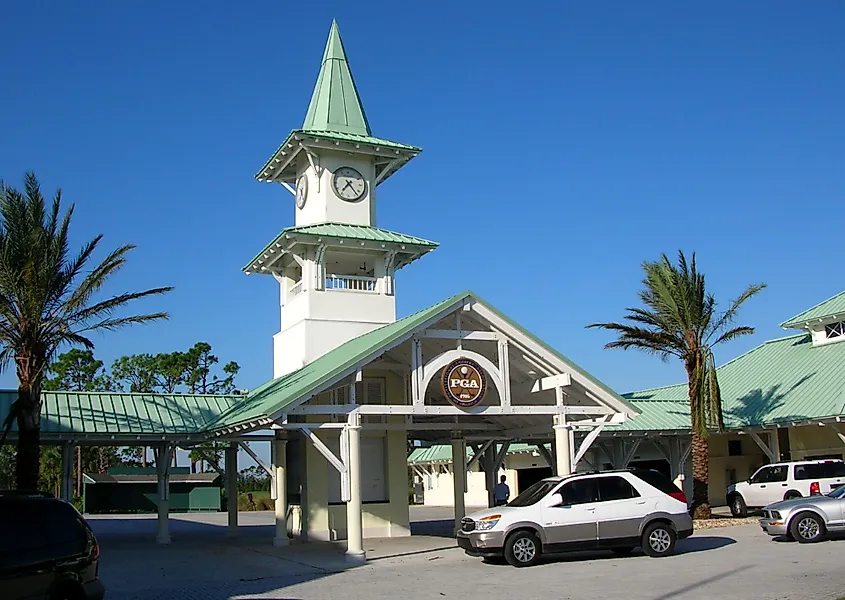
x,y
47,550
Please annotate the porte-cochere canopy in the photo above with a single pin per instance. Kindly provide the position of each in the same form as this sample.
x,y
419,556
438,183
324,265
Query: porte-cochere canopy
x,y
528,383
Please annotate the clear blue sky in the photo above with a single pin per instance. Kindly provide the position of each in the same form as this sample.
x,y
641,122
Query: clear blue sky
x,y
563,143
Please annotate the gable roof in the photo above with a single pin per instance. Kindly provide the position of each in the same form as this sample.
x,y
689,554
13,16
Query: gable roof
x,y
280,393
272,398
780,381
335,104
830,309
373,236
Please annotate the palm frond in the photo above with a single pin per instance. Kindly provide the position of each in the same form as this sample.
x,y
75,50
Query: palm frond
x,y
732,334
729,315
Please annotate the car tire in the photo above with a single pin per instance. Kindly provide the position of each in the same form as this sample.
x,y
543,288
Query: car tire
x,y
659,540
738,508
791,494
622,550
522,549
807,527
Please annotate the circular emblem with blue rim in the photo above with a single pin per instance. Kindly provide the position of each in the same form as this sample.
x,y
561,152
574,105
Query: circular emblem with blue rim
x,y
464,383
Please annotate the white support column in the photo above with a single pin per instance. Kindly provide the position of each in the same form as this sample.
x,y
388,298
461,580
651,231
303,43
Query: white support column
x,y
504,371
231,473
162,459
563,446
67,473
354,519
280,482
459,478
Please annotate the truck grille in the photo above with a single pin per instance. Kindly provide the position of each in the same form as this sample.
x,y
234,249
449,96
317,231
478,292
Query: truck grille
x,y
467,524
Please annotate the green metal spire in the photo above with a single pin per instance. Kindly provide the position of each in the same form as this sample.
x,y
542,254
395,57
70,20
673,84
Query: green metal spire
x,y
335,105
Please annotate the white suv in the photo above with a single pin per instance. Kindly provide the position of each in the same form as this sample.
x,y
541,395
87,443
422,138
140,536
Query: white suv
x,y
616,510
783,481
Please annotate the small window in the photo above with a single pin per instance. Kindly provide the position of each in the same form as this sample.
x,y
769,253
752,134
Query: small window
x,y
615,488
734,447
836,330
580,491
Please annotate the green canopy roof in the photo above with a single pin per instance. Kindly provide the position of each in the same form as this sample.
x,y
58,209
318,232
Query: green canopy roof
x,y
780,381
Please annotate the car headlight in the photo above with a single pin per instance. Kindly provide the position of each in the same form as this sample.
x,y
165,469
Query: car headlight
x,y
487,523
775,515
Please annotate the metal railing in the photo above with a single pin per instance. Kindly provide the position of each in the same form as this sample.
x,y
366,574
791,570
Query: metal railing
x,y
353,283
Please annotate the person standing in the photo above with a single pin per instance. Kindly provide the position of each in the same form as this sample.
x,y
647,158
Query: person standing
x,y
501,493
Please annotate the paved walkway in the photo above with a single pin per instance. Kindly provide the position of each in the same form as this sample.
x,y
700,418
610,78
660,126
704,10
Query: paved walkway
x,y
735,562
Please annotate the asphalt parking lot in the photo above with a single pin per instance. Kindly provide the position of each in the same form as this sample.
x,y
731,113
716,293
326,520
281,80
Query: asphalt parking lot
x,y
735,562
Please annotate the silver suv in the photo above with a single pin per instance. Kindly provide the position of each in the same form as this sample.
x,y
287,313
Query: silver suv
x,y
614,510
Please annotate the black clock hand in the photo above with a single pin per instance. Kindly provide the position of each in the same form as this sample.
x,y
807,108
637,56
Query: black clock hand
x,y
348,183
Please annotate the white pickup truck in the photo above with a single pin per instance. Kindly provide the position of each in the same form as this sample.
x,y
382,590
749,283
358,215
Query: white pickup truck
x,y
782,481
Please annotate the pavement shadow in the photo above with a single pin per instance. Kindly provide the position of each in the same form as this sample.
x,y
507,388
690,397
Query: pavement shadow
x,y
687,546
436,528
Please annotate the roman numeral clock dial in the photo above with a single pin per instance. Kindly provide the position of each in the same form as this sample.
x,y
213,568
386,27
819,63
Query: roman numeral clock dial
x,y
349,184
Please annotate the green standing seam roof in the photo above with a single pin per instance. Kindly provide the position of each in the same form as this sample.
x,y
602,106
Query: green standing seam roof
x,y
335,104
275,395
832,307
89,413
336,136
443,452
347,232
780,381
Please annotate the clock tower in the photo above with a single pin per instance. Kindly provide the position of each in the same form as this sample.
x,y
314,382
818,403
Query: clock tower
x,y
335,267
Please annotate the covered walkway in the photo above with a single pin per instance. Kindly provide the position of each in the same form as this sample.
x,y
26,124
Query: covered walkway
x,y
458,372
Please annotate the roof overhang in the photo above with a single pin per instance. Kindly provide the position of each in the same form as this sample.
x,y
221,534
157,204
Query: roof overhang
x,y
269,259
283,165
808,324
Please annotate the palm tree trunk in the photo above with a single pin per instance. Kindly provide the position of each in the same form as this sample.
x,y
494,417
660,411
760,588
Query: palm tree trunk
x,y
700,477
700,507
28,464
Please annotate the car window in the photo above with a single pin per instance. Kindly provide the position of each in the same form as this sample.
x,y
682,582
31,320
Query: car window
x,y
777,474
820,470
615,488
36,531
580,491
534,493
657,480
761,476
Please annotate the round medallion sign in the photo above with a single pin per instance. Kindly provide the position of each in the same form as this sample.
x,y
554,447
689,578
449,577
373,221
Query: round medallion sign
x,y
464,383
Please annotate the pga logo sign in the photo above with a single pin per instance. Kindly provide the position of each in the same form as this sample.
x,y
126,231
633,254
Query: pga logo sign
x,y
464,383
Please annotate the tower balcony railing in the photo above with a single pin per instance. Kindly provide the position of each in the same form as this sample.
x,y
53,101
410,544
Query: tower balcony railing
x,y
350,283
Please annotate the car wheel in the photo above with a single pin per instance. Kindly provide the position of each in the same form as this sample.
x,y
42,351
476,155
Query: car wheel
x,y
659,540
622,551
738,507
807,527
522,549
791,494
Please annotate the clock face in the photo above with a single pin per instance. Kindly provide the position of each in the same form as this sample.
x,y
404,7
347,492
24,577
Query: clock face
x,y
349,184
301,190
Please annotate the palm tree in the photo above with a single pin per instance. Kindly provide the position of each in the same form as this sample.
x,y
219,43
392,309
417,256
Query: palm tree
x,y
47,299
680,320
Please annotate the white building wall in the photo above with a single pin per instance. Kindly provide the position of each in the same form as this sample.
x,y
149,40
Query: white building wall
x,y
322,204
